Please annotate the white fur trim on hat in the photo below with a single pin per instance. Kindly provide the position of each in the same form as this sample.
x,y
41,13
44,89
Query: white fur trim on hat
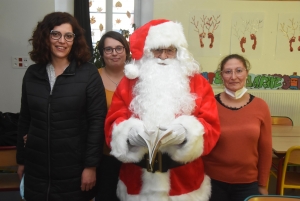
x,y
131,70
165,35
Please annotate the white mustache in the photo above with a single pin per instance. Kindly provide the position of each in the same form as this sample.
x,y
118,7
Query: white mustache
x,y
164,61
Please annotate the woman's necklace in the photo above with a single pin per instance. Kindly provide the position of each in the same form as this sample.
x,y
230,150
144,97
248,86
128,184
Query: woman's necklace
x,y
116,83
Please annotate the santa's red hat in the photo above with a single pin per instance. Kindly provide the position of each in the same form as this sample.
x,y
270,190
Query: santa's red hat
x,y
155,34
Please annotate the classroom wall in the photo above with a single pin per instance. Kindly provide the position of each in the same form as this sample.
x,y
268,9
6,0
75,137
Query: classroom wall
x,y
180,10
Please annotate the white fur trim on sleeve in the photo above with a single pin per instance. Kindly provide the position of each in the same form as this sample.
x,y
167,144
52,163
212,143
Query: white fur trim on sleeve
x,y
119,146
193,147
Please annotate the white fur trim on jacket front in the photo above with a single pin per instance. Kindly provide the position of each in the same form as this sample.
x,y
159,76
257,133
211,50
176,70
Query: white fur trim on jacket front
x,y
193,147
201,194
119,146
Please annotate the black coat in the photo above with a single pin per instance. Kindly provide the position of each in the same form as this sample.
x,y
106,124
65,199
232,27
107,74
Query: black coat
x,y
65,131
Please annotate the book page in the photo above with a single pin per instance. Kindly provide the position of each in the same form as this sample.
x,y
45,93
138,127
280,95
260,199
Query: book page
x,y
153,141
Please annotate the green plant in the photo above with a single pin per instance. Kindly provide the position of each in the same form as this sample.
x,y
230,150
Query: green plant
x,y
96,59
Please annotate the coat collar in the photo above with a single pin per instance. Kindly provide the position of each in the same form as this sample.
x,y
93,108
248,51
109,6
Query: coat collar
x,y
42,72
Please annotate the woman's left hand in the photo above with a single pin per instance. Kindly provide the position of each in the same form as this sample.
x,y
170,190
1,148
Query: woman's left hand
x,y
263,190
88,178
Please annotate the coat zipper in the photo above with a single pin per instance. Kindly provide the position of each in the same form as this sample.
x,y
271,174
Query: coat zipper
x,y
49,175
49,107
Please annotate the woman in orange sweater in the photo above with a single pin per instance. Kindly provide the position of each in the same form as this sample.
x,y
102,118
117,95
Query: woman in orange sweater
x,y
114,51
239,164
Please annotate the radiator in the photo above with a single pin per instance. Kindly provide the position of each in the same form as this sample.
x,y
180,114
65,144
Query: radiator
x,y
281,102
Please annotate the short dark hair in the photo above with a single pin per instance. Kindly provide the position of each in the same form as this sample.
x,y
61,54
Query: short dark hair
x,y
117,36
40,39
245,61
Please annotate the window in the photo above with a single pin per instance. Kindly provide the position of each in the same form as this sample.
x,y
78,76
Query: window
x,y
106,15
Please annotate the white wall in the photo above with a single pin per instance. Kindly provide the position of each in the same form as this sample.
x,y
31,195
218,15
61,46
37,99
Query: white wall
x,y
18,18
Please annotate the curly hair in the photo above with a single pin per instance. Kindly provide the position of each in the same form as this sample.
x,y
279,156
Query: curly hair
x,y
117,36
40,39
242,59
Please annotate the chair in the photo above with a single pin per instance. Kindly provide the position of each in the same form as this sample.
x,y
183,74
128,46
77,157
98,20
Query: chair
x,y
272,198
284,121
290,179
9,181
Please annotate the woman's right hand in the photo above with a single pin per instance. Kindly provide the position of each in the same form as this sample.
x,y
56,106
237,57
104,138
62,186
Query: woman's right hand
x,y
20,171
25,139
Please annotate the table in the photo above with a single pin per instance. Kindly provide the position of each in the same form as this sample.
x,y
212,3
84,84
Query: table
x,y
292,131
283,137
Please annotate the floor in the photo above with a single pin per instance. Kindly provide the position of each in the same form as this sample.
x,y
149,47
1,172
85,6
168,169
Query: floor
x,y
14,196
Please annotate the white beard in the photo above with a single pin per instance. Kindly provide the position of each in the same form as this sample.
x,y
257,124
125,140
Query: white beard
x,y
162,93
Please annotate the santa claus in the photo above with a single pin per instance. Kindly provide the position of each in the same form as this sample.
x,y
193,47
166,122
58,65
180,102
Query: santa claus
x,y
162,92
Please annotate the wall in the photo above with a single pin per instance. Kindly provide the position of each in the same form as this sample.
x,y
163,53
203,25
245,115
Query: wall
x,y
179,10
17,21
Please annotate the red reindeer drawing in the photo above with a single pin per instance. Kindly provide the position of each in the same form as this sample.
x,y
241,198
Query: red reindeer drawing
x,y
201,34
243,38
254,28
293,28
299,40
214,23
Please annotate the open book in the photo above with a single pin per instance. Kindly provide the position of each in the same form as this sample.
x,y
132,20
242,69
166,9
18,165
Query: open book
x,y
153,140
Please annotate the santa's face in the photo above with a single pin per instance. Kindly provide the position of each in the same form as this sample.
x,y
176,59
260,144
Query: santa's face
x,y
161,93
165,53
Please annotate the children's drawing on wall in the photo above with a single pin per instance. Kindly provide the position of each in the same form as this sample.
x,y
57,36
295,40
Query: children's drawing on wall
x,y
288,36
246,33
205,32
260,81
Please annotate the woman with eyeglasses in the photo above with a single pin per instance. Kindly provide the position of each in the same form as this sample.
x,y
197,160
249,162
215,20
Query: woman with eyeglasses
x,y
63,108
114,51
239,164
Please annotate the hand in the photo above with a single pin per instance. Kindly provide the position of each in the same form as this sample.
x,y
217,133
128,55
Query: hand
x,y
88,178
20,171
25,139
177,134
135,139
263,190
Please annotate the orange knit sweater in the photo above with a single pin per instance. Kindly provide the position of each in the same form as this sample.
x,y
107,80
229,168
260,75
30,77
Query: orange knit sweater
x,y
243,153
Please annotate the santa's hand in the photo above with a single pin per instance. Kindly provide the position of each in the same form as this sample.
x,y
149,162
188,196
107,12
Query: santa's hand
x,y
134,138
175,134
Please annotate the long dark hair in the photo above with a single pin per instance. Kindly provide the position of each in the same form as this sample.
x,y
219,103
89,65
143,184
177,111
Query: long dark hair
x,y
40,39
117,36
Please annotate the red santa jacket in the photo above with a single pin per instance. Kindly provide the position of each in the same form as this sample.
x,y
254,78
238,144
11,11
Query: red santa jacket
x,y
187,182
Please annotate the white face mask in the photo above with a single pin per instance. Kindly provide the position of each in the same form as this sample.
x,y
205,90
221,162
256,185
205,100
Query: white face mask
x,y
238,94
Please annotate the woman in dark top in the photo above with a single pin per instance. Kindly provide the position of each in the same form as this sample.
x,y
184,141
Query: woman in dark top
x,y
63,108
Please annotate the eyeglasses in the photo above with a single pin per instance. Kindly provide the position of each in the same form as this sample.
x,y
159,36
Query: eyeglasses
x,y
56,35
238,72
168,51
118,49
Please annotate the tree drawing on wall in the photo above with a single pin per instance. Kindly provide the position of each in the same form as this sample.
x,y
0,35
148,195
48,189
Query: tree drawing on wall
x,y
289,31
299,35
207,27
240,31
255,25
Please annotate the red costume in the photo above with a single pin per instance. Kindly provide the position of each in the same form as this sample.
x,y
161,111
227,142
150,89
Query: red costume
x,y
186,182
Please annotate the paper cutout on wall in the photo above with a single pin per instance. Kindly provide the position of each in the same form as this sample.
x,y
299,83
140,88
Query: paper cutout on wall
x,y
205,32
246,33
260,81
288,36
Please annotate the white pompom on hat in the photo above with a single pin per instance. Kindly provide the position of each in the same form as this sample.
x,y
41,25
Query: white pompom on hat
x,y
154,34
